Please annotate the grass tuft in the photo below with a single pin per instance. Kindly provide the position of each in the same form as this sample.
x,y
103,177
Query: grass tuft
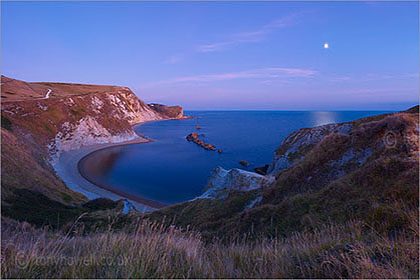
x,y
146,249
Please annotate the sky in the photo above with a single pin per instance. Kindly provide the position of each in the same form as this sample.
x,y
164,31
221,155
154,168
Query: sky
x,y
223,55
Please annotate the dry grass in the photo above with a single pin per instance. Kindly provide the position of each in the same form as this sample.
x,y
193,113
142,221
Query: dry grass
x,y
150,250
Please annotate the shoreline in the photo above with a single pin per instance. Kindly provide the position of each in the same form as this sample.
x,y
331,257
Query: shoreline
x,y
68,168
141,200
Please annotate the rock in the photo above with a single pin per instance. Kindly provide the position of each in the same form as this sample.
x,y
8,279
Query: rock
x,y
244,162
209,147
219,151
128,206
221,181
193,137
262,170
198,127
173,112
300,142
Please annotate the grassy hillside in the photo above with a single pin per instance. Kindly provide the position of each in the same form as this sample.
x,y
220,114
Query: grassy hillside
x,y
144,249
41,120
346,207
24,166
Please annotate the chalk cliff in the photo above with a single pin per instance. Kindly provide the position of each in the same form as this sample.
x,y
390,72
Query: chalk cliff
x,y
223,181
297,144
62,117
46,119
175,112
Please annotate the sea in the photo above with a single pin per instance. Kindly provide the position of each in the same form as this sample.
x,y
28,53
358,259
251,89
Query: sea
x,y
171,170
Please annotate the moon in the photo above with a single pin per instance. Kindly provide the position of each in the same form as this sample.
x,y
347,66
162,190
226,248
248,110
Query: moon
x,y
326,46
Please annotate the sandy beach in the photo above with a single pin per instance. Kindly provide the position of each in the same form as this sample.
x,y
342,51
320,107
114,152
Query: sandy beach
x,y
67,167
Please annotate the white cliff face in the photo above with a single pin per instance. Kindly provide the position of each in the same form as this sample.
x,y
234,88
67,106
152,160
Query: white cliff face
x,y
299,142
222,181
107,119
128,107
86,131
97,105
86,115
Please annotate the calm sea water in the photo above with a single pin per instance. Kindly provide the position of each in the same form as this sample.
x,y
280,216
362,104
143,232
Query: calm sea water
x,y
172,170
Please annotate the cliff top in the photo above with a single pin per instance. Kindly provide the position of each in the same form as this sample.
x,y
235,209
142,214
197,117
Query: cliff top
x,y
16,90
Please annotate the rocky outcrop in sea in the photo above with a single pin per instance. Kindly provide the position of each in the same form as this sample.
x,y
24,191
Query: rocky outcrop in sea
x,y
194,137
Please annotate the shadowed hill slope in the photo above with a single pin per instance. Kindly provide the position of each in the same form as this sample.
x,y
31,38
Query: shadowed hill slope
x,y
342,203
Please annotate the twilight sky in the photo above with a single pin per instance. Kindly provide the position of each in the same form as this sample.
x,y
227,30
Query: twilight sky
x,y
223,55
